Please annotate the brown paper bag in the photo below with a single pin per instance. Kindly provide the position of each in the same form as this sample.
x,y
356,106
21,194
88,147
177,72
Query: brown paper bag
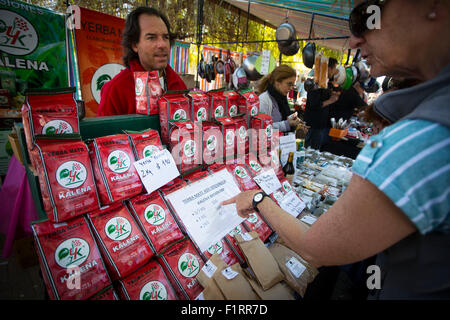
x,y
298,273
205,278
233,284
280,291
258,257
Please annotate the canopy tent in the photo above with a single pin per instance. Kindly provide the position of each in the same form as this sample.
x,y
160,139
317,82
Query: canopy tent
x,y
324,19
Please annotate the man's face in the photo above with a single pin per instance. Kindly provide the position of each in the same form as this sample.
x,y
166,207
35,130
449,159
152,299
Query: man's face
x,y
153,47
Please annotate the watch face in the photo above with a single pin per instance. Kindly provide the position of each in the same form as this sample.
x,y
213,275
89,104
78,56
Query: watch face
x,y
258,197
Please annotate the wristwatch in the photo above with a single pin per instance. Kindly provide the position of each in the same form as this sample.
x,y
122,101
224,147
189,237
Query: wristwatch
x,y
257,199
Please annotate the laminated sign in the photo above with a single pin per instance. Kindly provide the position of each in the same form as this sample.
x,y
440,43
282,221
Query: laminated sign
x,y
198,207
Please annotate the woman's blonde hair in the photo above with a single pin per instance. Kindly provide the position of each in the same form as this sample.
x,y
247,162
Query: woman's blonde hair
x,y
278,74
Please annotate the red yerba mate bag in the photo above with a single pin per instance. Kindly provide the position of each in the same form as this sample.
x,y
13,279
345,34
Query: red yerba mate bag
x,y
199,106
115,175
261,137
223,249
242,141
182,263
233,100
228,129
255,222
248,105
253,165
218,104
66,179
121,241
144,143
155,220
185,145
148,90
173,105
240,173
212,143
232,242
68,253
49,112
148,283
106,294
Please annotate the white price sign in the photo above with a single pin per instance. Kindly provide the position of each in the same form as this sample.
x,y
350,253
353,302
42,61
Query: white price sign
x,y
198,206
268,181
156,170
292,204
265,62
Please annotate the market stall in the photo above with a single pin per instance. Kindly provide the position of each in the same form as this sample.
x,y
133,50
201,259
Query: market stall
x,y
128,207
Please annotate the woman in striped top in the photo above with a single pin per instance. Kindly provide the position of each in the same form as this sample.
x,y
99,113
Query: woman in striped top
x,y
398,201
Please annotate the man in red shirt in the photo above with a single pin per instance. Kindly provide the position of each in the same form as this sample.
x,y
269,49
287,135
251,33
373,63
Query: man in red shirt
x,y
146,42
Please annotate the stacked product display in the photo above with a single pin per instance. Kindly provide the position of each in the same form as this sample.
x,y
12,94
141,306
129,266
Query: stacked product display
x,y
106,237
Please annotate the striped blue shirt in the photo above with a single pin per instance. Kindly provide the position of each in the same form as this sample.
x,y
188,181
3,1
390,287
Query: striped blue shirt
x,y
410,163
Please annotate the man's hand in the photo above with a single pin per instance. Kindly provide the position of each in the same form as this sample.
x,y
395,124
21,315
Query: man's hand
x,y
244,202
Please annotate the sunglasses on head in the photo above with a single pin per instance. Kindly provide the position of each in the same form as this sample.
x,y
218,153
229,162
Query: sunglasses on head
x,y
358,16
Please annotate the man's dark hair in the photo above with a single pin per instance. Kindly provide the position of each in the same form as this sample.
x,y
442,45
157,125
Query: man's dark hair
x,y
132,32
332,62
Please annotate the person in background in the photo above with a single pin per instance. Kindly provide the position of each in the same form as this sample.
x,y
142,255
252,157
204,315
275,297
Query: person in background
x,y
273,101
397,204
317,110
146,43
348,101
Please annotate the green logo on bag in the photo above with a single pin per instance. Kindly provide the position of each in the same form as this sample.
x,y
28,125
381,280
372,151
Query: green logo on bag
x,y
153,290
216,248
252,218
201,114
180,114
71,252
118,228
189,148
57,127
240,172
255,165
71,174
155,214
218,112
118,161
211,143
188,265
233,110
149,150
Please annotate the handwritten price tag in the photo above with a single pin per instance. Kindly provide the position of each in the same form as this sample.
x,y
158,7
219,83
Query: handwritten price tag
x,y
268,181
156,170
292,204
